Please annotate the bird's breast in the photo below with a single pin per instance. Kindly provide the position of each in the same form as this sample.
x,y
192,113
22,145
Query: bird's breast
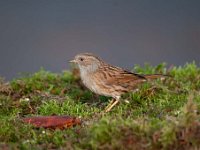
x,y
90,83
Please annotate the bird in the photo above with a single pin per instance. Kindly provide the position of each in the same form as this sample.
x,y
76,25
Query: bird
x,y
108,80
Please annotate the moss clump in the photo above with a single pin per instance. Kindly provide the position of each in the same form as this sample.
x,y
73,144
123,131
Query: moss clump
x,y
161,115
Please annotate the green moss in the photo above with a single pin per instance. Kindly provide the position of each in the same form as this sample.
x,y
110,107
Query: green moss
x,y
161,115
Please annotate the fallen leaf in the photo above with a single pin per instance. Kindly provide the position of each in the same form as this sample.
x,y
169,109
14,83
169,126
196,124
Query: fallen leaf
x,y
52,122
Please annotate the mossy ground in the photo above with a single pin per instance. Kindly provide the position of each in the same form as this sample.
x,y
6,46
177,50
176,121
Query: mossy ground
x,y
161,115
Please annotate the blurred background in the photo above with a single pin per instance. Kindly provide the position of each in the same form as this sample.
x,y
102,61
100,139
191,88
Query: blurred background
x,y
48,33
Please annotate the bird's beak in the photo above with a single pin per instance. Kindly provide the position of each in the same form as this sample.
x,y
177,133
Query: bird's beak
x,y
73,61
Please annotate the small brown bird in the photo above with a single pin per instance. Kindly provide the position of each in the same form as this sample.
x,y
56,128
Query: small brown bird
x,y
104,79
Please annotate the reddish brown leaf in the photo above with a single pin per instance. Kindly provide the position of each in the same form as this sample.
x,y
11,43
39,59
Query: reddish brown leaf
x,y
53,122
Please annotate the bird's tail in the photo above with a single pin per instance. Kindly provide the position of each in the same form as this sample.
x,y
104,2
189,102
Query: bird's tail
x,y
156,76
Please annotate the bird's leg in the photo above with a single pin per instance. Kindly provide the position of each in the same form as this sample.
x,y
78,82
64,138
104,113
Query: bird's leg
x,y
111,106
110,103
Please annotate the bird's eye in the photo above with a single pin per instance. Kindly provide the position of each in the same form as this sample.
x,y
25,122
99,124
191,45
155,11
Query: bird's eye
x,y
81,59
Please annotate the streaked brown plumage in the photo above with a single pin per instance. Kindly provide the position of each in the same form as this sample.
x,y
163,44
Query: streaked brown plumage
x,y
104,79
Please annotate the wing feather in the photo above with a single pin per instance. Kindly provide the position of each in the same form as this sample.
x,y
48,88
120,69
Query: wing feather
x,y
121,79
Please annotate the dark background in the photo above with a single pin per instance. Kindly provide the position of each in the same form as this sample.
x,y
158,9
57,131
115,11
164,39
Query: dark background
x,y
48,33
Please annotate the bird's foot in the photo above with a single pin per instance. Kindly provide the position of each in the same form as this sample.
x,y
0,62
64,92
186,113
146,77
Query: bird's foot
x,y
110,106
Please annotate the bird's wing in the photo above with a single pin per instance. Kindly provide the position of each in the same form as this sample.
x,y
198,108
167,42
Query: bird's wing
x,y
119,77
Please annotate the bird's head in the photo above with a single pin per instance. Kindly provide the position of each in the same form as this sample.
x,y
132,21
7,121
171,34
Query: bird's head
x,y
87,62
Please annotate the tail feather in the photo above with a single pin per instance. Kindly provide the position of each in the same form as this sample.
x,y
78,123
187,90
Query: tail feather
x,y
156,76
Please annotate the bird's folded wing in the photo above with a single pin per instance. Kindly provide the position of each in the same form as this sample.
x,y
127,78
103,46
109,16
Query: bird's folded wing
x,y
125,79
